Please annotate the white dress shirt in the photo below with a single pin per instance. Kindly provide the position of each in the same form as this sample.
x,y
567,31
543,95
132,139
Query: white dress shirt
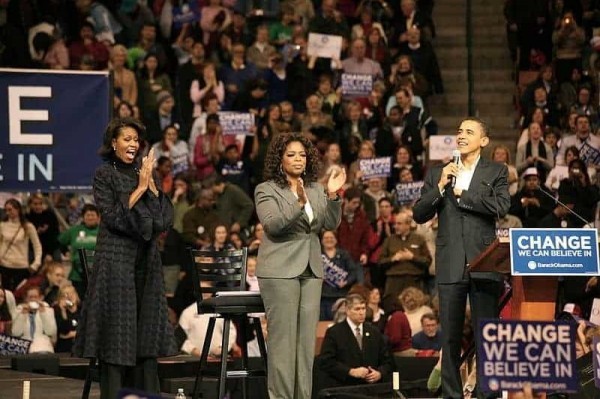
x,y
465,175
195,326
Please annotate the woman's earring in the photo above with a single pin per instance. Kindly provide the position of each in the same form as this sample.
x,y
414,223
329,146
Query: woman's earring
x,y
304,173
281,169
114,148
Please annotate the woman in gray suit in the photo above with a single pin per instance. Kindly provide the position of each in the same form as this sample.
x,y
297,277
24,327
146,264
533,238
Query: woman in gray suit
x,y
293,209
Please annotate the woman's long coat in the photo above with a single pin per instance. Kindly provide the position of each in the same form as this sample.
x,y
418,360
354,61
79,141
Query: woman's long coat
x,y
116,326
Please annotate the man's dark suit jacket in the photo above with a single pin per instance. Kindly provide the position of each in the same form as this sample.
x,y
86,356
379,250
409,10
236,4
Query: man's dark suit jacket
x,y
465,227
340,352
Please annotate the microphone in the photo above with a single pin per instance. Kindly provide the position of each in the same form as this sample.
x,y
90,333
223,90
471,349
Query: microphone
x,y
495,200
559,202
455,159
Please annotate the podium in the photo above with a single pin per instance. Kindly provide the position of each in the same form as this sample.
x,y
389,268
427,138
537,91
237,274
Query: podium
x,y
533,297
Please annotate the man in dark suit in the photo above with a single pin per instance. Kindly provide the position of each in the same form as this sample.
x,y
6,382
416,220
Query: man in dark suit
x,y
467,211
354,352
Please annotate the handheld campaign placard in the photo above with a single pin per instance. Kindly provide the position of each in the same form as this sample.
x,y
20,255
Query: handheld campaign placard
x,y
13,346
234,123
357,84
553,252
513,352
375,167
407,193
326,46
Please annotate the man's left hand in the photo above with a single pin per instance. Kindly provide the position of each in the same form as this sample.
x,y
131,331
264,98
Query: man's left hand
x,y
373,376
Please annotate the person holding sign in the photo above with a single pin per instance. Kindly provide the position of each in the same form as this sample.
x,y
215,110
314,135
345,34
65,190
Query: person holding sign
x,y
293,209
467,197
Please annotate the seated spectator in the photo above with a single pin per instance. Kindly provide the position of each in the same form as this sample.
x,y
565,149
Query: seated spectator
x,y
232,205
147,43
412,121
236,74
429,338
549,109
354,232
397,330
354,352
260,52
315,118
366,25
151,82
535,153
582,139
530,204
8,311
536,115
331,159
164,175
501,154
403,70
568,39
357,63
329,21
407,258
414,303
88,46
105,24
255,238
126,110
409,17
81,236
561,171
355,124
35,321
53,278
233,169
219,239
584,106
124,81
560,217
205,86
545,79
251,279
199,221
340,273
569,89
66,313
578,185
374,303
375,191
423,58
16,234
46,224
210,106
377,49
288,116
195,326
208,148
174,149
280,32
365,151
161,118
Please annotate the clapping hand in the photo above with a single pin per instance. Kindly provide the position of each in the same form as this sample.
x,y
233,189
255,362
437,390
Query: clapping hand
x,y
302,198
337,179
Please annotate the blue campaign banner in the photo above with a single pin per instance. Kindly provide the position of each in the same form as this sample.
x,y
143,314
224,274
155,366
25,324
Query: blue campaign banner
x,y
234,123
513,352
552,252
53,124
10,346
188,13
356,84
375,167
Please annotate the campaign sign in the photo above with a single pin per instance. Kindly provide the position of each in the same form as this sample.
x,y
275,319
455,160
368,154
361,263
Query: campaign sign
x,y
589,155
52,124
375,167
513,352
596,354
234,123
441,147
325,46
188,13
10,346
407,193
554,252
357,84
333,275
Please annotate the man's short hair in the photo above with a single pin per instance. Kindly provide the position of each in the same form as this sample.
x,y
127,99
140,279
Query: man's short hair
x,y
485,129
430,316
579,116
354,299
352,193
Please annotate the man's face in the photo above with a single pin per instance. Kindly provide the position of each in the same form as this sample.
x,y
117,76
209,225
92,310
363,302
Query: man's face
x,y
167,105
33,296
356,313
531,182
37,205
385,209
402,99
232,155
584,97
91,219
583,128
287,112
470,138
198,50
540,95
148,33
206,200
402,224
86,32
352,205
358,49
430,327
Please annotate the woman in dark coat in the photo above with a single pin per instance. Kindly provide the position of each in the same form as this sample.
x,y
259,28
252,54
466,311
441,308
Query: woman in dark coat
x,y
124,318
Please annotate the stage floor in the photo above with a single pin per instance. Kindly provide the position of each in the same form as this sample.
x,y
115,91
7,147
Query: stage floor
x,y
42,386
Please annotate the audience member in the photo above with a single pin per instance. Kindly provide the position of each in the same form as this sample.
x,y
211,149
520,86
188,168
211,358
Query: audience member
x,y
35,321
429,336
66,313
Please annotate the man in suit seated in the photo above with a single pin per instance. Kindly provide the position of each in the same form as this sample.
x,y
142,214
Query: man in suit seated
x,y
353,351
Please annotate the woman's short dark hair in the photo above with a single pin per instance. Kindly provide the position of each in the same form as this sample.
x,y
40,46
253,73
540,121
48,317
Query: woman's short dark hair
x,y
184,177
123,103
113,130
273,168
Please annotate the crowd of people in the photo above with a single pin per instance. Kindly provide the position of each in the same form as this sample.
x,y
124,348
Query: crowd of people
x,y
177,77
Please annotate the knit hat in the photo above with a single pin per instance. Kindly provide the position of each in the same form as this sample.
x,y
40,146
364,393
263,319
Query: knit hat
x,y
162,96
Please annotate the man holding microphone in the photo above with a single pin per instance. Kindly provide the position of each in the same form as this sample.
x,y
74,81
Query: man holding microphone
x,y
467,195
